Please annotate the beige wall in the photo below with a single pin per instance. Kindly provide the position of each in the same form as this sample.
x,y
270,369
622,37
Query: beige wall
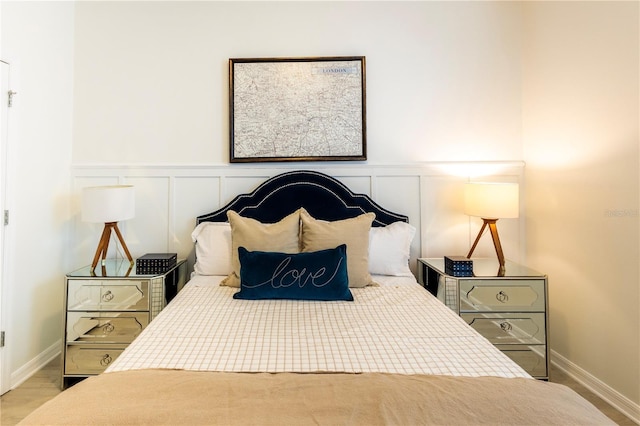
x,y
581,145
443,78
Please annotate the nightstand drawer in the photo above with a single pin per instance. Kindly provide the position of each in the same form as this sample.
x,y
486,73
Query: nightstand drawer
x,y
111,295
90,359
505,296
508,328
105,327
533,359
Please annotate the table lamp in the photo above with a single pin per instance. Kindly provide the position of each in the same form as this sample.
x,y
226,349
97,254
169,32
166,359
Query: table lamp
x,y
108,205
491,201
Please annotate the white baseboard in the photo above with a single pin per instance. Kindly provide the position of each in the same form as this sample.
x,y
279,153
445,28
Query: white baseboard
x,y
29,369
595,385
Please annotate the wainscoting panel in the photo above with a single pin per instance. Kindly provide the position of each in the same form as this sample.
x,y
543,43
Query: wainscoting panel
x,y
401,194
169,198
445,228
192,196
151,225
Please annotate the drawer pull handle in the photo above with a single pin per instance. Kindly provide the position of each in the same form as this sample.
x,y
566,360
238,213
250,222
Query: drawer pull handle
x,y
502,297
107,297
108,328
505,326
106,360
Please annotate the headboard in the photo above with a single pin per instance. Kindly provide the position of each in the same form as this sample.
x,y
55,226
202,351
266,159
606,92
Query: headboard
x,y
321,195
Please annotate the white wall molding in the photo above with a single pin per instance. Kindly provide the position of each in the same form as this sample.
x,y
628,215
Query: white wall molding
x,y
33,366
435,168
598,387
170,196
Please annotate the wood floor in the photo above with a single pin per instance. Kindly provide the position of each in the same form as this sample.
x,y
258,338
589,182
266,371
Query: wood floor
x,y
44,385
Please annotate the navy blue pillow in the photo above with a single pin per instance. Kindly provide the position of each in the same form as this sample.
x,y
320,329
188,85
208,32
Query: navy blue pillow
x,y
319,275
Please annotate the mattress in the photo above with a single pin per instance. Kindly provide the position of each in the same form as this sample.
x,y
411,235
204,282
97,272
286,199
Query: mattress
x,y
396,327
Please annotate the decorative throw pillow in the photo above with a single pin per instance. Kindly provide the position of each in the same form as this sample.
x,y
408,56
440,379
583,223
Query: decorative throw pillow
x,y
213,248
320,275
282,236
354,232
389,249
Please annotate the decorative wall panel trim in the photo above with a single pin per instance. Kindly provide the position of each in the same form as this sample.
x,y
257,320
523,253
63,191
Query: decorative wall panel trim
x,y
169,197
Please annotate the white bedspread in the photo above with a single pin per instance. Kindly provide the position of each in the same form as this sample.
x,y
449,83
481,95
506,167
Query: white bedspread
x,y
397,327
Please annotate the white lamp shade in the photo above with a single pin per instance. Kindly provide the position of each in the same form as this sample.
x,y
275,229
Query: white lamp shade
x,y
491,200
108,203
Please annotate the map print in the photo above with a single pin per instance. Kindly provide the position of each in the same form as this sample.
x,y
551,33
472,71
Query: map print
x,y
298,109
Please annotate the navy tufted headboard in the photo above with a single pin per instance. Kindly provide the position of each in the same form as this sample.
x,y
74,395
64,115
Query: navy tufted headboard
x,y
321,195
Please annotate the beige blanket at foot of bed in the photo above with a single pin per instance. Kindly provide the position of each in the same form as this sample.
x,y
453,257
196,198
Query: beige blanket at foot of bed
x,y
191,398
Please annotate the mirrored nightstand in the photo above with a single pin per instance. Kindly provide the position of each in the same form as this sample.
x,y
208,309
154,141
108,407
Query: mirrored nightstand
x,y
106,308
510,310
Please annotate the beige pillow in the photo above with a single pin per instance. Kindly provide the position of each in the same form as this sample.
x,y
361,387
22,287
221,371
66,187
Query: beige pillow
x,y
253,235
354,232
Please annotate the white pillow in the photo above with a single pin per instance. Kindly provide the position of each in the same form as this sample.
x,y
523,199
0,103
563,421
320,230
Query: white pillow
x,y
213,248
389,249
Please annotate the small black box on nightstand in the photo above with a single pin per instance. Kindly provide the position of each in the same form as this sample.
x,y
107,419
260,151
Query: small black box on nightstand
x,y
458,266
155,263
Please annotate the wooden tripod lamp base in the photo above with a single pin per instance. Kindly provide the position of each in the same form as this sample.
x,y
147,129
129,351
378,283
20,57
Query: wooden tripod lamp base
x,y
109,205
491,223
103,245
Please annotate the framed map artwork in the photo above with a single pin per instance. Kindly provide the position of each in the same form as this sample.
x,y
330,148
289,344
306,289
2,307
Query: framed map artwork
x,y
297,109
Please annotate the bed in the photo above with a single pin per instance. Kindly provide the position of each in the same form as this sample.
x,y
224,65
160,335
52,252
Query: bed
x,y
302,309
